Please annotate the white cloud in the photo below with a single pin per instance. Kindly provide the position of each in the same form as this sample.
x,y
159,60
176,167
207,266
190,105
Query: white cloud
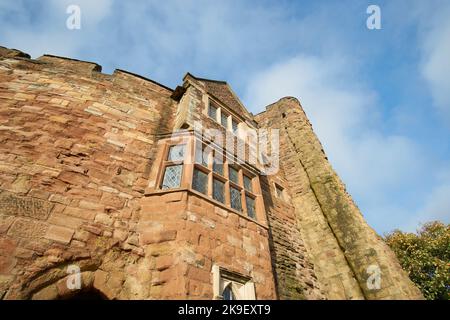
x,y
378,168
48,32
344,115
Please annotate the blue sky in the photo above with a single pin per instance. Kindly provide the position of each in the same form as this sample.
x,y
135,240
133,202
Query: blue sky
x,y
379,100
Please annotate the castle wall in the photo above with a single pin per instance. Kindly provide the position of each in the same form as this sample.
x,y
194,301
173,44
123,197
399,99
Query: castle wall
x,y
80,157
292,266
75,154
340,242
199,234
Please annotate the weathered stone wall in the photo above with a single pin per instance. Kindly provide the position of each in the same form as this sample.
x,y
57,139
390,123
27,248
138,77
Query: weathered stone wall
x,y
199,234
293,270
76,149
341,244
77,155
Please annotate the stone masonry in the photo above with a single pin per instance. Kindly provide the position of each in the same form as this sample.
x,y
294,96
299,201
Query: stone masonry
x,y
81,154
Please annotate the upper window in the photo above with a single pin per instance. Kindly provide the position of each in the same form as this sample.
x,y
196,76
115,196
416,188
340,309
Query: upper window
x,y
234,126
212,111
224,119
173,167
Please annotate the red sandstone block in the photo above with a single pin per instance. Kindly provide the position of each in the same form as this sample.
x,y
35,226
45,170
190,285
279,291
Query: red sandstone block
x,y
23,253
5,223
59,234
65,220
172,197
93,229
157,237
163,262
112,200
74,178
80,213
199,274
7,246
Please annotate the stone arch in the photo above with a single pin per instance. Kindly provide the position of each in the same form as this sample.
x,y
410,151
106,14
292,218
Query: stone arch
x,y
47,278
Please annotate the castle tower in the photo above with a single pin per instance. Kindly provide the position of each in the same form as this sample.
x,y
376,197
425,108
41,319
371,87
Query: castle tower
x,y
108,179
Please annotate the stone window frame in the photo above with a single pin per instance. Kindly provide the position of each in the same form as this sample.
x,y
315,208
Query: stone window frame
x,y
242,286
191,140
163,162
255,193
170,163
277,186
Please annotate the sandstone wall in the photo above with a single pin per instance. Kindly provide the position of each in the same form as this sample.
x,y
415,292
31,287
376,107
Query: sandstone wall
x,y
201,234
77,153
76,149
341,244
293,270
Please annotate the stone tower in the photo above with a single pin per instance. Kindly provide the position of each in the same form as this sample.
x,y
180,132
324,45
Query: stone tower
x,y
108,188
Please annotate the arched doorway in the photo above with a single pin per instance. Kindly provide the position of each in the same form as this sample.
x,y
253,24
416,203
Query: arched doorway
x,y
89,294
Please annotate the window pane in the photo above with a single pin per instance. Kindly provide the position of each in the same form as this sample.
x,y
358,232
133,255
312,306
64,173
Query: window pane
x,y
200,181
235,198
234,125
247,183
218,166
279,191
212,111
228,294
224,119
176,153
234,175
172,177
218,190
201,156
251,212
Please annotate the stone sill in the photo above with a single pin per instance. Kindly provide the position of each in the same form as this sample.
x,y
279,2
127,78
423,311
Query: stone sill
x,y
205,197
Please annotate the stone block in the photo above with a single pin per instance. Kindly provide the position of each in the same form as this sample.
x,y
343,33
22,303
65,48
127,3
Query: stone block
x,y
59,234
157,236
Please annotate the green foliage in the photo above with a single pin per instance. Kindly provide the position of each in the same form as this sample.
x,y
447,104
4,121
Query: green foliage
x,y
426,257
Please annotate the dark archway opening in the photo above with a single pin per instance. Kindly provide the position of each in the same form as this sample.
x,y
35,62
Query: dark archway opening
x,y
90,294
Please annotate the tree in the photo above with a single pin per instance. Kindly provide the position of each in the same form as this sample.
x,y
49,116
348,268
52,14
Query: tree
x,y
425,255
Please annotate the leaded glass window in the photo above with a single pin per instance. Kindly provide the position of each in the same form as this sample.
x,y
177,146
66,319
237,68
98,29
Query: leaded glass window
x,y
234,126
247,183
219,190
176,153
212,111
218,166
172,177
224,119
235,199
251,211
200,181
233,175
201,156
